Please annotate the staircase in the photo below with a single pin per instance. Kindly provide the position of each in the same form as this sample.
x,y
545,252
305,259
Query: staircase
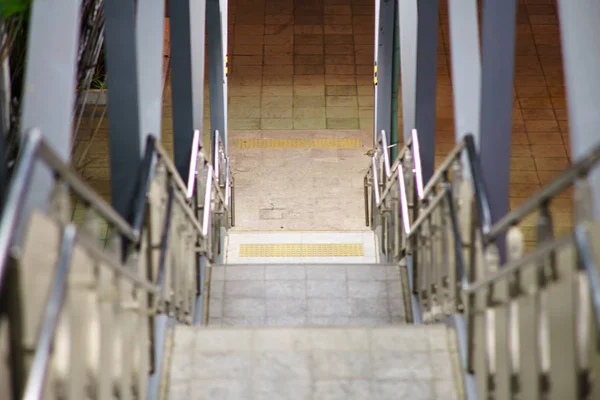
x,y
383,362
175,303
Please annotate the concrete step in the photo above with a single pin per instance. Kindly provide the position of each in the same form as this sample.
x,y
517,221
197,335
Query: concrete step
x,y
305,295
400,362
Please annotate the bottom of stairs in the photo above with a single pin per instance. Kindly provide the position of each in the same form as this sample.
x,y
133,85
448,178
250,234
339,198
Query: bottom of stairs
x,y
329,363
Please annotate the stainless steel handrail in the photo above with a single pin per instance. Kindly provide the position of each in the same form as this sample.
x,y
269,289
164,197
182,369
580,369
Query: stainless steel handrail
x,y
35,149
193,164
394,168
590,268
35,382
467,147
375,178
403,200
207,201
518,265
417,160
171,169
562,182
37,375
432,206
385,152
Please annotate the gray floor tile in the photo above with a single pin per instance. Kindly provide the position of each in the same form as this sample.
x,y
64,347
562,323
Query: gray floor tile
x,y
286,289
282,389
402,365
341,364
366,289
326,288
372,307
247,272
328,307
281,365
343,389
243,307
285,272
329,272
413,390
242,288
286,307
366,273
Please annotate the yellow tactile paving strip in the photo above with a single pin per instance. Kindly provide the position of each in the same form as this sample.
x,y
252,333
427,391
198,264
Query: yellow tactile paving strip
x,y
300,143
303,250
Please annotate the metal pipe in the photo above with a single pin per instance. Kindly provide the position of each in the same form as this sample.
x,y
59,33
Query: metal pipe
x,y
39,367
564,180
16,196
207,201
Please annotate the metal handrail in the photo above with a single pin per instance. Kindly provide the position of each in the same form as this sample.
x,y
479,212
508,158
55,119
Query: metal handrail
x,y
36,379
417,159
562,182
37,376
590,268
394,168
36,149
193,164
386,155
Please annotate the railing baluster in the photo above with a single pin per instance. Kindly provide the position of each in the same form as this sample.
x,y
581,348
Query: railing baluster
x,y
563,375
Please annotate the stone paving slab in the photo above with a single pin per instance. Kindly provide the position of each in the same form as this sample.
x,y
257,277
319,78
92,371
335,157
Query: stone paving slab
x,y
399,362
305,295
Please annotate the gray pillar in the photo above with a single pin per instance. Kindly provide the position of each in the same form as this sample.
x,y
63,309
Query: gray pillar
x,y
466,66
216,27
126,138
497,81
579,32
418,46
50,87
150,53
384,55
187,20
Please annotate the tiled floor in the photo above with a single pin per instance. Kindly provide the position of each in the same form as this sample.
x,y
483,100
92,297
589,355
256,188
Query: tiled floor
x,y
236,239
323,363
300,188
308,65
306,295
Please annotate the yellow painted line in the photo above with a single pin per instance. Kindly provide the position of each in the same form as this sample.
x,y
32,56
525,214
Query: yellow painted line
x,y
302,250
300,143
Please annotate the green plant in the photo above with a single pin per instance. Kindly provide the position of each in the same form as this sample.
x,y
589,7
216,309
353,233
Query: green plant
x,y
98,82
9,8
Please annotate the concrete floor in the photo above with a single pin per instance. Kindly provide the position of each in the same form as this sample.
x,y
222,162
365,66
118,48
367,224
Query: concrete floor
x,y
317,187
307,65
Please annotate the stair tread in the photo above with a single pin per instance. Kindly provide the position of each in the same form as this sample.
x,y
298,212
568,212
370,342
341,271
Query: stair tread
x,y
308,363
306,295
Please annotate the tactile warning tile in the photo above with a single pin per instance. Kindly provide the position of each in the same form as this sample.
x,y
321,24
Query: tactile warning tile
x,y
303,250
300,143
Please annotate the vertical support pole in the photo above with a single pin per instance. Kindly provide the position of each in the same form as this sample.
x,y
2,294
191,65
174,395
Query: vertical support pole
x,y
216,27
187,20
418,44
578,22
466,67
394,135
497,81
50,87
384,53
150,53
126,138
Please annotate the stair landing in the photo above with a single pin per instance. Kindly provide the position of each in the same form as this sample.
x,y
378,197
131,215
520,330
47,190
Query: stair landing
x,y
404,362
301,295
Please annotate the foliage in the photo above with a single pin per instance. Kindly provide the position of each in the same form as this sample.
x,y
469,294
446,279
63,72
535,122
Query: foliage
x,y
9,8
